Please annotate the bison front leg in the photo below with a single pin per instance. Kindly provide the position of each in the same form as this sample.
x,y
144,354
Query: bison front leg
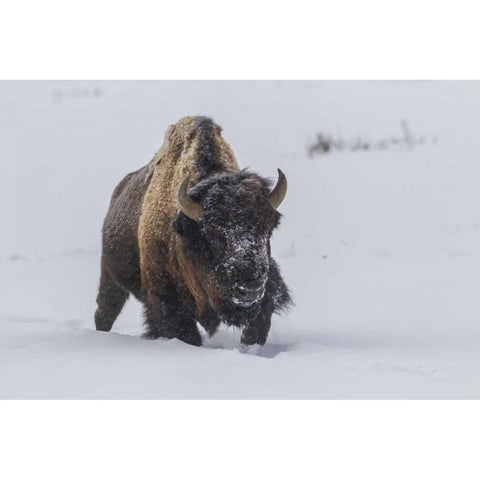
x,y
167,313
256,330
276,298
166,317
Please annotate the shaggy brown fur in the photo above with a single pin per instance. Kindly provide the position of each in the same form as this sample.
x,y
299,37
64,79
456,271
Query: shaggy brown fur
x,y
174,162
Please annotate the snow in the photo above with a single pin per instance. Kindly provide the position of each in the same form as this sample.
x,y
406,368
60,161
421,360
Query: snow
x,y
380,248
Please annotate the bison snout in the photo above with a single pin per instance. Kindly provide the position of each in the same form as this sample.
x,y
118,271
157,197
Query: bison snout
x,y
246,296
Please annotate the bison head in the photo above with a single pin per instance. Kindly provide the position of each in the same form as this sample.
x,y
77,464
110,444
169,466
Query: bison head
x,y
225,223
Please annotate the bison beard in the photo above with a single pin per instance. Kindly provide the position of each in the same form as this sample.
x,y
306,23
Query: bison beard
x,y
189,236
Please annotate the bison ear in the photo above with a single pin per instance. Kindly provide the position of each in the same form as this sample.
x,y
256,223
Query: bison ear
x,y
278,193
187,206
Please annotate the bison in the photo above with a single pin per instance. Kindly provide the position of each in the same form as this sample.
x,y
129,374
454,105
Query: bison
x,y
189,236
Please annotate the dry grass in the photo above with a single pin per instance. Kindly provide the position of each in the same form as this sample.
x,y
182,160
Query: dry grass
x,y
326,143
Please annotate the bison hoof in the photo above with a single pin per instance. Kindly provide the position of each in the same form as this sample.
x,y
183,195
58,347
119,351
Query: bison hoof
x,y
192,338
251,349
103,325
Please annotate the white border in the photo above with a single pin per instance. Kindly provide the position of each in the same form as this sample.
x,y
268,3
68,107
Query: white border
x,y
259,39
239,439
225,40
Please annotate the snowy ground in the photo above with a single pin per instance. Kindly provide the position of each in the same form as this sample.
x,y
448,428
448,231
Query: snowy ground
x,y
381,249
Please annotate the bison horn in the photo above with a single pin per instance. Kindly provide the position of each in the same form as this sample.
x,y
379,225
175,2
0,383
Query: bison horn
x,y
188,207
278,193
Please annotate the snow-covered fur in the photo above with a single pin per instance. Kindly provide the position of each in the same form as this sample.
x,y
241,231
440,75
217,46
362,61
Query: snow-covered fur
x,y
186,271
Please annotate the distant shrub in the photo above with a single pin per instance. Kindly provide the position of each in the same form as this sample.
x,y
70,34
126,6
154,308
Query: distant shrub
x,y
77,93
325,143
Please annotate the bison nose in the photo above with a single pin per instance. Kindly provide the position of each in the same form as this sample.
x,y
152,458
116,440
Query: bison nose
x,y
247,294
